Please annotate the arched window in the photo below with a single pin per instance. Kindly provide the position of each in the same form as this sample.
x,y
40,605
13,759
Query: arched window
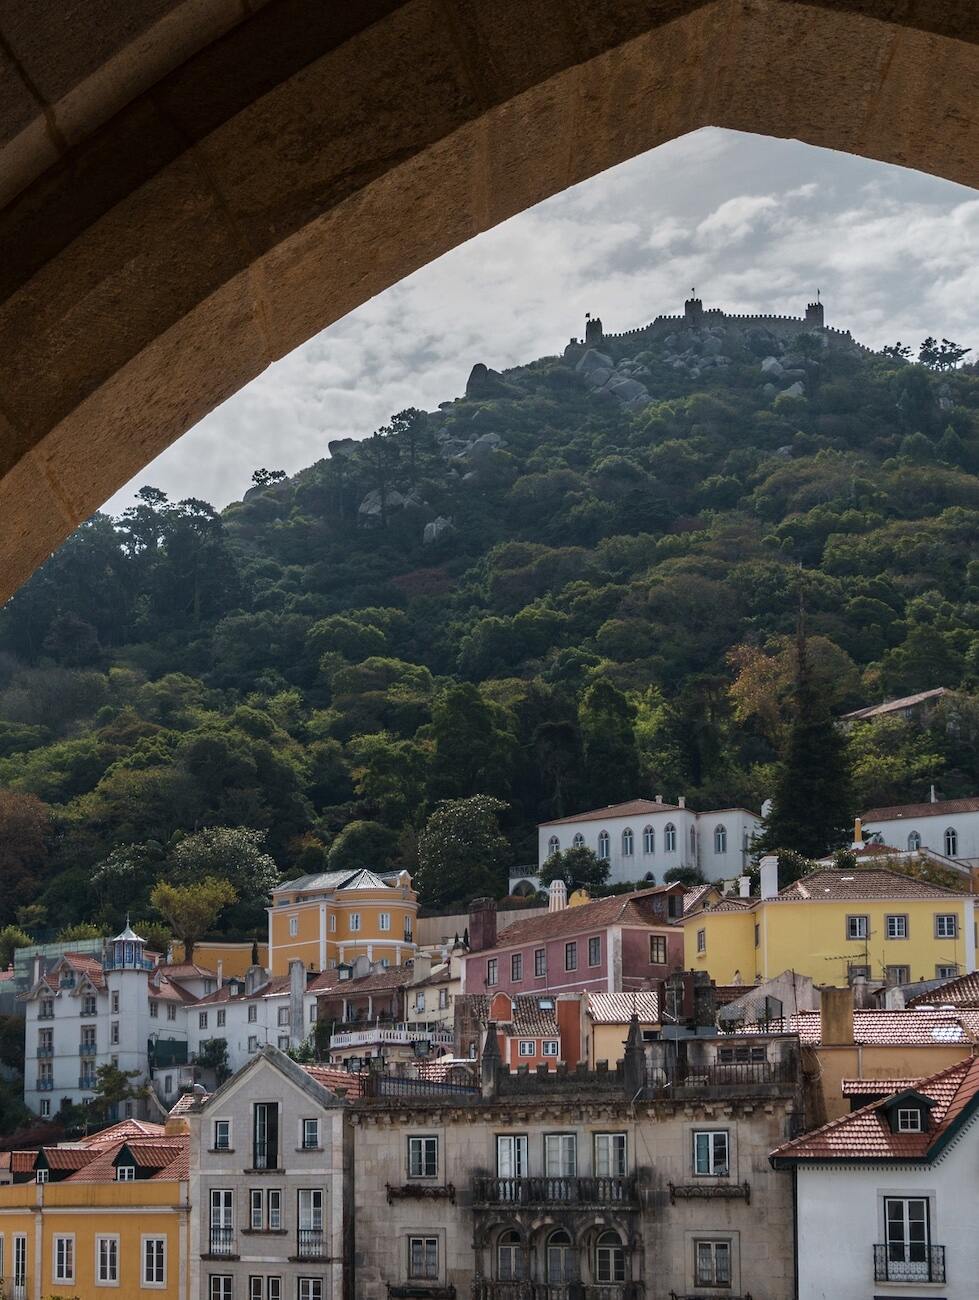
x,y
627,843
669,838
553,846
914,842
559,1259
609,1258
510,1258
648,840
604,846
951,843
720,839
579,841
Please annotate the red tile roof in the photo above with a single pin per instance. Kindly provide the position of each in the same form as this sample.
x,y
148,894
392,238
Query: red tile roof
x,y
962,992
528,1019
901,812
329,981
22,1162
917,1027
187,971
866,1134
168,1156
68,1157
861,1087
619,909
617,1008
126,1128
633,808
334,1077
830,884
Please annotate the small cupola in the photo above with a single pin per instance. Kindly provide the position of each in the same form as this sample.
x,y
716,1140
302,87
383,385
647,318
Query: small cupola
x,y
128,950
908,1111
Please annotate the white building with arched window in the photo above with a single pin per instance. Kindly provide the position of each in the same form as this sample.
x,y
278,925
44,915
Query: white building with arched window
x,y
949,827
646,837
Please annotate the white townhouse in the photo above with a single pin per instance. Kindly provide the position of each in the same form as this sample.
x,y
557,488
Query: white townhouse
x,y
126,1009
646,837
949,827
886,1196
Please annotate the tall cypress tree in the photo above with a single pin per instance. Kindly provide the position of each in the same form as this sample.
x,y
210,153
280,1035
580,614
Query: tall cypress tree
x,y
812,805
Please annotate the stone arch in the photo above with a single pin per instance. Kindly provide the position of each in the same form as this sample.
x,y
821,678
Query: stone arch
x,y
200,189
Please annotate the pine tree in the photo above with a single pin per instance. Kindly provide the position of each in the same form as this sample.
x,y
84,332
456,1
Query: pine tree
x,y
812,805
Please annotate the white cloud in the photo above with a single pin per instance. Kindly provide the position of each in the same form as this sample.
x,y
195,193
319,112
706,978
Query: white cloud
x,y
736,217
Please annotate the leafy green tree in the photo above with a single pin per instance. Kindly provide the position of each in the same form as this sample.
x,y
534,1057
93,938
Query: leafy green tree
x,y
25,828
689,876
191,910
113,1087
462,852
611,761
363,844
389,775
80,930
892,759
266,477
213,1055
233,853
473,750
812,803
579,868
12,937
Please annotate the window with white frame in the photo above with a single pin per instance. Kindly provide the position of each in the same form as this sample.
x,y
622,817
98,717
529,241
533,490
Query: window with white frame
x,y
560,1155
553,846
114,1032
423,1157
283,1016
946,925
310,1203
354,922
702,940
914,842
283,1043
89,1005
222,1018
443,999
202,1020
669,837
115,1002
252,1043
420,1000
41,1175
171,1011
20,1260
310,1288
549,1047
384,921
273,1209
252,1013
610,1155
510,1257
908,1119
657,949
712,1263
857,927
897,926
293,926
423,1259
222,1135
125,1173
579,841
648,840
711,1155
604,846
946,972
628,842
154,1009
311,1134
528,1047
559,1258
64,1258
908,1237
609,1258
333,921
45,1108
951,842
107,1260
220,1286
720,839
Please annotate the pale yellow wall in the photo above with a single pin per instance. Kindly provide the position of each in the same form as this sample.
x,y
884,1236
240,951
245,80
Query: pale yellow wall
x,y
730,951
131,1211
607,1042
895,1061
314,927
235,958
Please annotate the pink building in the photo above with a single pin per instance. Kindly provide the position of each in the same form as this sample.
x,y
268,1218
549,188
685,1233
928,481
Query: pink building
x,y
611,945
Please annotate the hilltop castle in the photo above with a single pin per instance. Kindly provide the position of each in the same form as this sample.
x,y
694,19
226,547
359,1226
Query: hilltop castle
x,y
695,317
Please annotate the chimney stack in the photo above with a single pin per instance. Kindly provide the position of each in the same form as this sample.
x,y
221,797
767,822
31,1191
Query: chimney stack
x,y
836,1016
681,801
421,967
482,924
297,987
769,876
744,886
557,896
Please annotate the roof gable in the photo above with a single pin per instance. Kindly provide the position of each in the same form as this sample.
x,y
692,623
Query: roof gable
x,y
269,1057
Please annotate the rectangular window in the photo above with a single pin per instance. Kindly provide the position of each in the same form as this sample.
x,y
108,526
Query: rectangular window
x,y
333,921
897,926
757,934
946,972
256,1201
528,1047
908,1238
384,922
549,1047
256,1288
106,1260
946,925
492,971
516,966
45,1108
20,1260
595,951
420,1000
41,1175
423,1157
657,949
220,1287
610,1155
252,1013
273,1209
310,1288
702,940
265,1135
311,1134
908,1119
126,1174
154,1009
354,922
115,1002
857,927
712,1263
171,1011
252,1043
443,999
511,1155
202,1020
570,956
710,1152
89,1005
560,1155
293,926
283,1016
423,1258
897,975
222,1135
64,1259
154,1261
222,1018
114,1032
540,962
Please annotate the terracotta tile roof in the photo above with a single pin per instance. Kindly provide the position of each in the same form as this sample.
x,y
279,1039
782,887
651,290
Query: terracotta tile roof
x,y
917,1028
168,990
4,1160
168,1156
22,1162
333,1078
619,909
892,706
617,1008
904,811
186,1102
528,1019
440,1071
126,1128
328,981
861,1087
961,992
68,1157
866,1134
830,885
633,808
693,897
184,970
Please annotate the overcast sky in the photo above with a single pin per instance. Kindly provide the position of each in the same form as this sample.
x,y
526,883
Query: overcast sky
x,y
755,224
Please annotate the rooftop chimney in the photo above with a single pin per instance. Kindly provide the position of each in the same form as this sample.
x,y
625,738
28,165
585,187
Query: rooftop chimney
x,y
769,876
421,967
681,801
836,1015
659,798
297,987
933,798
744,886
557,896
482,924
857,833
220,973
254,978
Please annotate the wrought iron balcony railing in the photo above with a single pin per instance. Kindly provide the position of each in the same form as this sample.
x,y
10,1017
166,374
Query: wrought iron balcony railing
x,y
899,1262
486,1289
310,1243
265,1155
45,1085
45,1049
221,1241
555,1191
88,1081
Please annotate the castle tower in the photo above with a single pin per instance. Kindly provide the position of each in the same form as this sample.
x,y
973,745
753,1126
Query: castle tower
x,y
593,331
814,316
693,312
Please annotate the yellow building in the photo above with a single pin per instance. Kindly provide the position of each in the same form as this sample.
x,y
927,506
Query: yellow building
x,y
336,916
109,1212
833,926
228,958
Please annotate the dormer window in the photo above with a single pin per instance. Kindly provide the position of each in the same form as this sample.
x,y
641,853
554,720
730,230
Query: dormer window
x,y
907,1112
125,1173
909,1120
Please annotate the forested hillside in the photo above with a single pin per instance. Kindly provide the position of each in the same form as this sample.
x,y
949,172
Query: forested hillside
x,y
542,592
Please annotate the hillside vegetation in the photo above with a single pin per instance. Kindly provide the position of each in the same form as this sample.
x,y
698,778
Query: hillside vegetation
x,y
604,607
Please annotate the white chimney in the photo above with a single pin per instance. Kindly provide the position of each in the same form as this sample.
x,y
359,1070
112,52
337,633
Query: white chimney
x,y
557,896
933,799
744,886
769,876
220,973
681,801
659,798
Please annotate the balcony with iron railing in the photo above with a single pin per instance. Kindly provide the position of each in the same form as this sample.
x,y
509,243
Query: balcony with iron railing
x,y
892,1263
88,1081
221,1241
265,1156
618,1191
751,1078
87,1047
394,1035
45,1049
45,1084
310,1243
488,1289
